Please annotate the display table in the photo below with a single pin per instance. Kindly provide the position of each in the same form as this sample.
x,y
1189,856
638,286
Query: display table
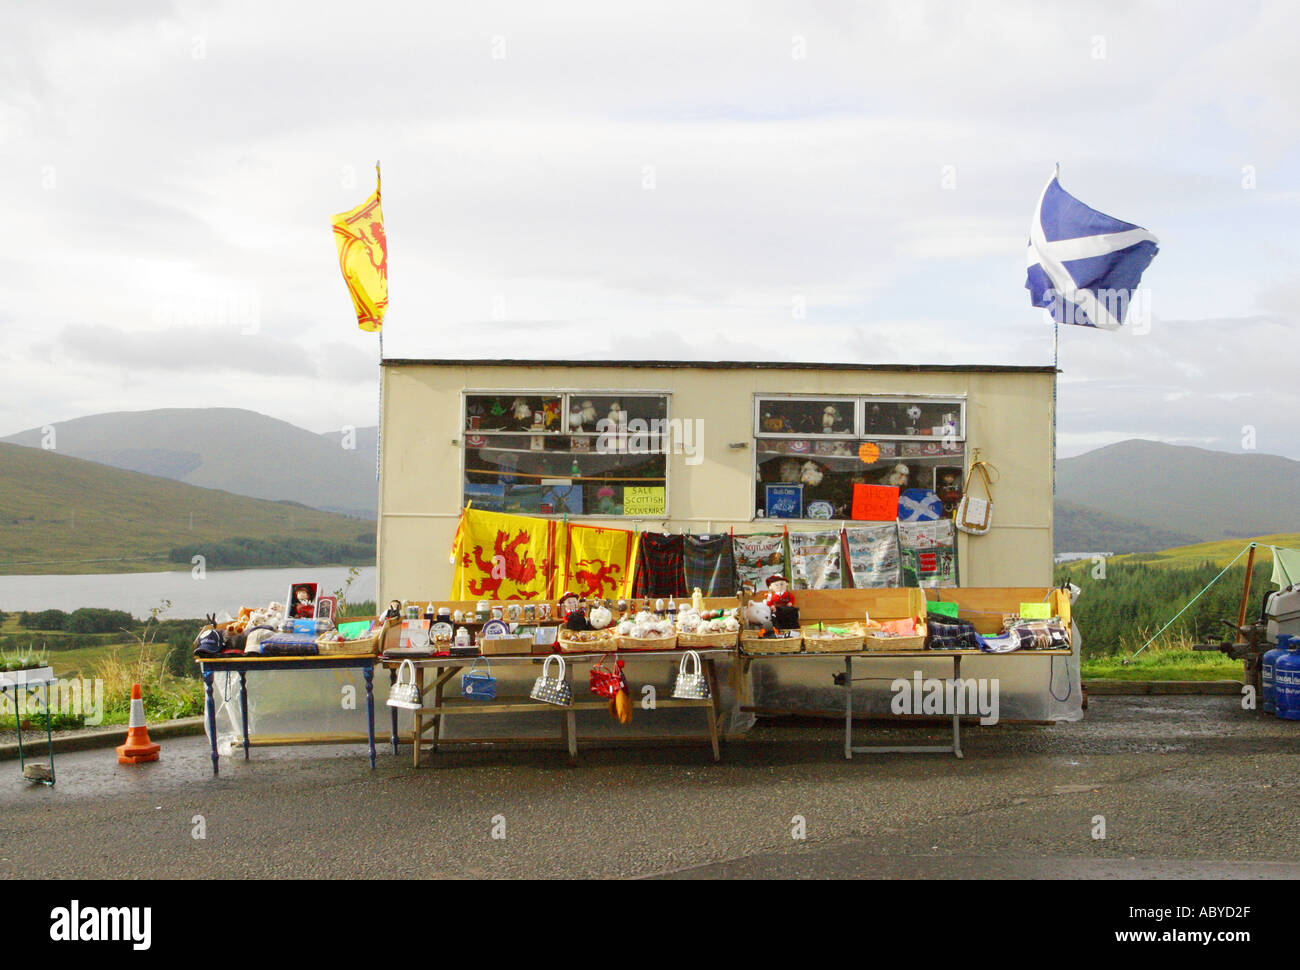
x,y
250,662
440,670
847,680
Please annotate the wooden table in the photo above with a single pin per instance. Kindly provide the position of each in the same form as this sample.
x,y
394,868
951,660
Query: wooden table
x,y
430,718
847,679
208,666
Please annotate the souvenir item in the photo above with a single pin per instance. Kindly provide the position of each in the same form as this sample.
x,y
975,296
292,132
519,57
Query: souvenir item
x,y
495,628
513,612
606,681
458,616
484,612
478,685
404,693
552,689
974,515
543,611
691,683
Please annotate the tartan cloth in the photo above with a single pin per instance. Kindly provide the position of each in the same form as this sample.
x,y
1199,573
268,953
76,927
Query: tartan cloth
x,y
659,566
953,635
1040,634
710,565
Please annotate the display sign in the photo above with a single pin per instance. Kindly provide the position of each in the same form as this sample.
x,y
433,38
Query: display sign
x,y
942,609
875,503
644,500
1036,611
783,501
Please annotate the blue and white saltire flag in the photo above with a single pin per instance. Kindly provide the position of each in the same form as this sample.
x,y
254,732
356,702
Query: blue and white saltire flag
x,y
1083,264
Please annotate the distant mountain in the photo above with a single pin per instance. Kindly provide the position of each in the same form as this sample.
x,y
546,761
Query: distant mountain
x,y
230,449
1171,495
66,515
1080,529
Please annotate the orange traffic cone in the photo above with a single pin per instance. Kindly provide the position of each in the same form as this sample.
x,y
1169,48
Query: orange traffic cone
x,y
138,747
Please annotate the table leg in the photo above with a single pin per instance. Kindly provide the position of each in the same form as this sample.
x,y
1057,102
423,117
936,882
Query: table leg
x,y
437,702
368,671
715,692
418,736
49,730
711,710
243,707
571,735
392,711
848,707
212,714
956,721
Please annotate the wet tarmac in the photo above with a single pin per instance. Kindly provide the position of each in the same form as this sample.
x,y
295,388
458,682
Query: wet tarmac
x,y
1186,787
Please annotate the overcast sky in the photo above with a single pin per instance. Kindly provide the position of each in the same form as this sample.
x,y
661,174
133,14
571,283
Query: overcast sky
x,y
811,181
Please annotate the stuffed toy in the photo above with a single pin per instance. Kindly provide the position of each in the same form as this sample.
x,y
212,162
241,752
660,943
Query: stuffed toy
x,y
575,418
758,615
811,474
897,475
830,418
570,613
785,615
521,412
551,412
588,415
789,470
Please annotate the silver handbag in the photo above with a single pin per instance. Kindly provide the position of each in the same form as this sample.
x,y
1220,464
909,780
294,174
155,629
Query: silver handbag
x,y
552,690
405,693
691,685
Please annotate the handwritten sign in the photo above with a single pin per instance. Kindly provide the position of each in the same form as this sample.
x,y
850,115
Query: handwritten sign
x,y
644,500
1036,611
784,501
875,503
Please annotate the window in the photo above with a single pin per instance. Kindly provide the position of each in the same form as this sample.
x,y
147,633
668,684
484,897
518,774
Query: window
x,y
599,453
809,452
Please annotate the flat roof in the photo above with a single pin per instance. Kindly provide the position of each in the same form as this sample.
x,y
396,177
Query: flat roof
x,y
726,365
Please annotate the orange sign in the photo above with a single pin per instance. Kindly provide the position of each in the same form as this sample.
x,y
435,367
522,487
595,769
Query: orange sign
x,y
875,503
869,452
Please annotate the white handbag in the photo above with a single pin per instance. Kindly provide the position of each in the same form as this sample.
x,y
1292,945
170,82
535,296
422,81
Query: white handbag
x,y
691,685
974,516
405,693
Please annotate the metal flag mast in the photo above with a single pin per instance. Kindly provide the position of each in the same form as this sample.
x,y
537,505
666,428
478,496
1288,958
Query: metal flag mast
x,y
379,421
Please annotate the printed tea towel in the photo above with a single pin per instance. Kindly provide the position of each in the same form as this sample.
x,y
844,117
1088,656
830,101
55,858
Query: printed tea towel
x,y
757,557
873,555
929,553
815,560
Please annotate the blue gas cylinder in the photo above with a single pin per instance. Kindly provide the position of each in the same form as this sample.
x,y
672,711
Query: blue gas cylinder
x,y
1266,673
1286,683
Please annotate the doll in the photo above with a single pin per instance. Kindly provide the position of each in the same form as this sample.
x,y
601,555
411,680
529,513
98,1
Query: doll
x,y
303,607
785,615
571,614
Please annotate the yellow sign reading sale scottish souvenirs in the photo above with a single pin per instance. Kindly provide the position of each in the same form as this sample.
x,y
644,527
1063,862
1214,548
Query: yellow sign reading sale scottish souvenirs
x,y
644,500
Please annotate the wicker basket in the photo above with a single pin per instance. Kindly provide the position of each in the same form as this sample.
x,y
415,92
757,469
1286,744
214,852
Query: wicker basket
x,y
599,641
751,642
819,641
707,641
878,643
367,646
645,643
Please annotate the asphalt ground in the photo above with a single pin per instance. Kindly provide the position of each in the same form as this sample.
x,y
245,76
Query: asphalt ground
x,y
1187,787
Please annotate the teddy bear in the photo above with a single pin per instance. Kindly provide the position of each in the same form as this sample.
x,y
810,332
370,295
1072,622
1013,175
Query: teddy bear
x,y
896,475
758,615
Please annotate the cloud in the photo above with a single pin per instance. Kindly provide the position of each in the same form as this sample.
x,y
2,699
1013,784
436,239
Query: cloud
x,y
736,181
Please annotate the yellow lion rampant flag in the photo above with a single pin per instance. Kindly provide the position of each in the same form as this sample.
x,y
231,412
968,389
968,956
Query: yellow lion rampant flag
x,y
503,557
363,257
597,562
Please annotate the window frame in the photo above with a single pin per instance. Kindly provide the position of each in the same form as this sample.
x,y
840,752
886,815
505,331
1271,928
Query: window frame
x,y
859,435
564,394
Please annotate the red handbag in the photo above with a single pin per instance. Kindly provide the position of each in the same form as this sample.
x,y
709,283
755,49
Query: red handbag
x,y
607,681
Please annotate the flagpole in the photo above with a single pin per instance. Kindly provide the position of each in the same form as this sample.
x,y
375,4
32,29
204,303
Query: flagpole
x,y
379,423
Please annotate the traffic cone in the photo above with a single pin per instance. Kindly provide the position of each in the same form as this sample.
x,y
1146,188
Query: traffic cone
x,y
138,747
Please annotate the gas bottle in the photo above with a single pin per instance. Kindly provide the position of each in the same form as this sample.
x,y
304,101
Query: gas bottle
x,y
1266,672
1286,683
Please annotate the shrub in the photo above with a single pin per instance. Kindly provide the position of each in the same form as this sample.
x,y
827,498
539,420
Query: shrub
x,y
94,620
44,620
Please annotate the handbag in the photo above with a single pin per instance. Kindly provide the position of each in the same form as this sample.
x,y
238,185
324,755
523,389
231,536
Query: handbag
x,y
552,690
974,516
404,693
607,681
691,685
478,685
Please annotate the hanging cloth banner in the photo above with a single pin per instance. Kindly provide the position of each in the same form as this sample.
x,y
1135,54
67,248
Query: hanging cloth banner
x,y
873,555
815,560
596,562
659,566
1286,566
503,557
929,553
710,565
757,557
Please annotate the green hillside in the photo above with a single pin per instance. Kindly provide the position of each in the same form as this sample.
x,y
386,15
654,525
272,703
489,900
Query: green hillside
x,y
65,515
1217,553
1081,529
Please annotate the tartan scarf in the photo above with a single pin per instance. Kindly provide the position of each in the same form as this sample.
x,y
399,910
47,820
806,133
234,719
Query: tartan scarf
x,y
710,565
659,566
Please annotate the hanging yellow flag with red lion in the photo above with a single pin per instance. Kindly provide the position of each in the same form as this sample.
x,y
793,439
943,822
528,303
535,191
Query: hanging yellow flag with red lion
x,y
596,562
503,557
363,257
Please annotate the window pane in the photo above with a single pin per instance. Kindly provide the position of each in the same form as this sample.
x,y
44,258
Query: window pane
x,y
512,412
919,418
811,417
